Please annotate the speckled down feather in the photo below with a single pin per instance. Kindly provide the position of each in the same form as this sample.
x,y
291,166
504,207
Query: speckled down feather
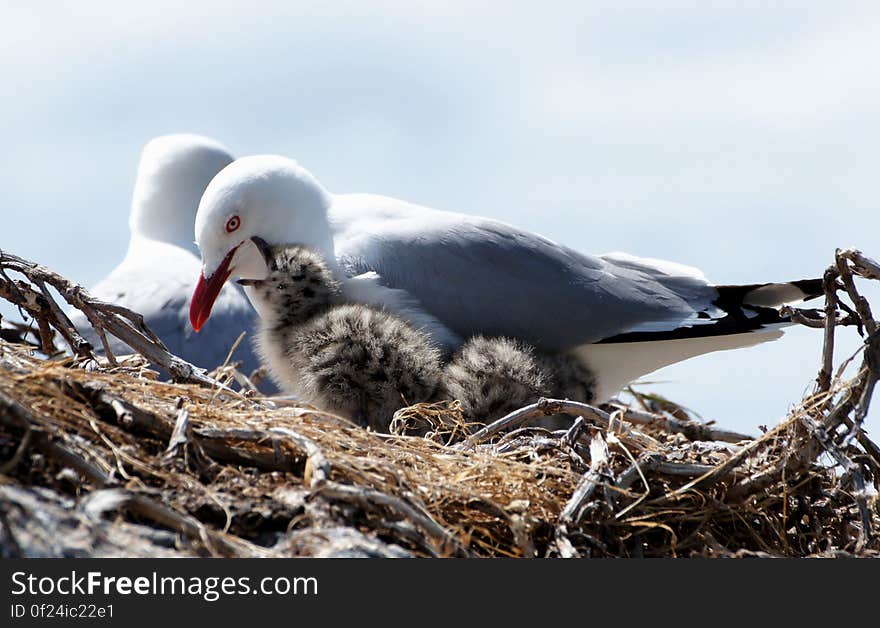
x,y
494,376
351,359
363,363
568,378
298,288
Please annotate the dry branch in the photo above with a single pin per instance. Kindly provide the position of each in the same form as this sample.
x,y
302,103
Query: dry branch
x,y
110,500
123,323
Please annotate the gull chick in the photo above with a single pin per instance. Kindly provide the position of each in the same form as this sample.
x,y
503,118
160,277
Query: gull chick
x,y
351,359
492,377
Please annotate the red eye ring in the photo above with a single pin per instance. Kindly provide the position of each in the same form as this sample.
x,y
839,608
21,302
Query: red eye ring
x,y
233,224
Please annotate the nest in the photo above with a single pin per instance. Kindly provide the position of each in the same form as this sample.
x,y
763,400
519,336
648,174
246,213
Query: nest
x,y
99,458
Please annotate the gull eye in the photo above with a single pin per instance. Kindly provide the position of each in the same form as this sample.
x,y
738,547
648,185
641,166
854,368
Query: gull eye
x,y
233,224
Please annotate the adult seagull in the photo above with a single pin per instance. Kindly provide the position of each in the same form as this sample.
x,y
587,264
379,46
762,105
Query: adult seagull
x,y
159,270
456,275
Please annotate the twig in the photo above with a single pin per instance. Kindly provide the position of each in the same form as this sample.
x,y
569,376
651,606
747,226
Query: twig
x,y
371,498
799,316
692,430
542,407
12,463
407,531
69,458
858,300
37,306
574,432
872,374
852,470
180,434
107,500
123,323
863,265
591,479
829,284
641,473
316,466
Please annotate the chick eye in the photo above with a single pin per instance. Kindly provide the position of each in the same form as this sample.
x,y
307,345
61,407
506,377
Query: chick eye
x,y
233,224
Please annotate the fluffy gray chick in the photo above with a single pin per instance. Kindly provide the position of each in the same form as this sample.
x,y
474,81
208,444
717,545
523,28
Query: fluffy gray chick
x,y
348,358
492,377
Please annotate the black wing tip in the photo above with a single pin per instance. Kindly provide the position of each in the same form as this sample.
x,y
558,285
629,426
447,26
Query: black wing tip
x,y
734,323
812,288
734,296
740,317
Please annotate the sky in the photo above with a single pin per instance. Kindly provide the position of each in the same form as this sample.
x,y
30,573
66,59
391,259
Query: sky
x,y
738,137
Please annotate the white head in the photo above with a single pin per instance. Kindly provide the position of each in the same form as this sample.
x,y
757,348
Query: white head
x,y
172,175
265,198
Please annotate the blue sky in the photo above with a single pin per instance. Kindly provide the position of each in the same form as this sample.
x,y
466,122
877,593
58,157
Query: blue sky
x,y
738,137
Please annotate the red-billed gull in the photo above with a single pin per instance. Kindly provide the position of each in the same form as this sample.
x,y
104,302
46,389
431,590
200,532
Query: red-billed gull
x,y
456,275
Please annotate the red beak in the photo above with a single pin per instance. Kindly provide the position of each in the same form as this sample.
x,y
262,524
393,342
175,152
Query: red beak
x,y
206,292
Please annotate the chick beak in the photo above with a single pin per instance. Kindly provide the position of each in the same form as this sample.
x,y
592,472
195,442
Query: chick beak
x,y
266,251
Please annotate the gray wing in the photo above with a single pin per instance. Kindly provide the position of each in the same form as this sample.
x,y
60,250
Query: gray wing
x,y
482,276
158,285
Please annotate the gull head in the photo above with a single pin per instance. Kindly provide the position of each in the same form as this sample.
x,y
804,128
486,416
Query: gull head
x,y
173,172
254,202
